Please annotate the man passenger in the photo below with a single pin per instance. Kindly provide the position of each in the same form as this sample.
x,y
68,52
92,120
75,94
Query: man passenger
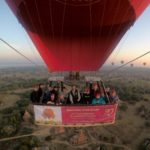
x,y
74,95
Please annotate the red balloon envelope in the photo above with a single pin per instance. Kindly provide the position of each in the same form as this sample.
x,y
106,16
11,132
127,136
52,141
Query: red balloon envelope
x,y
76,35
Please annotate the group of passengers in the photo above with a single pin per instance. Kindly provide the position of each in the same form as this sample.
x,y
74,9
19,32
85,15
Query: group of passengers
x,y
92,94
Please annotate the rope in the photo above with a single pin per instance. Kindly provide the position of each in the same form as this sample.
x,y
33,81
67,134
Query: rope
x,y
129,62
113,21
50,11
90,11
63,18
91,30
30,18
18,137
39,16
102,19
14,49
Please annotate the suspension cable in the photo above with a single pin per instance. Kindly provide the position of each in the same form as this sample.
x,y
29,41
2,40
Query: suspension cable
x,y
51,19
113,21
17,51
128,62
63,19
39,18
91,32
102,18
30,17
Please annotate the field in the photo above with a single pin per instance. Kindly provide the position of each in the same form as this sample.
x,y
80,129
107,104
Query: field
x,y
130,132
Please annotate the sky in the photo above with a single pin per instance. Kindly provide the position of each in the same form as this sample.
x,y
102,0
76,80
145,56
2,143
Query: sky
x,y
135,42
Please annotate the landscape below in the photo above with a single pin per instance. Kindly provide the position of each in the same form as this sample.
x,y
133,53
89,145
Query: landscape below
x,y
131,130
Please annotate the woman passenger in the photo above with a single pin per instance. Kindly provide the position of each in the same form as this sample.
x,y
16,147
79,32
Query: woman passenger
x,y
94,89
61,99
113,96
99,99
52,99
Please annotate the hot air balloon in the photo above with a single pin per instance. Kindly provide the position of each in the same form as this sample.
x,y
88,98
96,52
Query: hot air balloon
x,y
131,65
144,63
122,62
76,35
112,63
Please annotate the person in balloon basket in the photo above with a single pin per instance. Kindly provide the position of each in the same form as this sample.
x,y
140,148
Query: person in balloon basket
x,y
74,96
34,94
108,91
41,92
86,97
52,99
113,96
99,99
65,93
55,91
93,89
61,99
47,94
